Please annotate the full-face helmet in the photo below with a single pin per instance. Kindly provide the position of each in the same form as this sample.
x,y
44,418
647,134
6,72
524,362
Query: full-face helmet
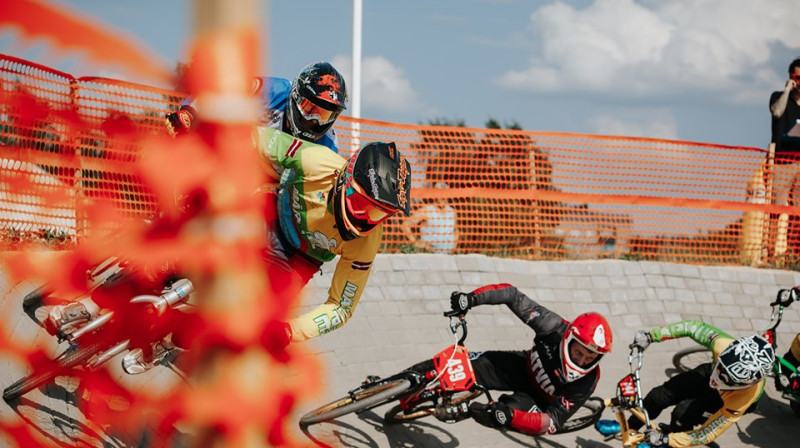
x,y
374,185
745,362
317,97
589,334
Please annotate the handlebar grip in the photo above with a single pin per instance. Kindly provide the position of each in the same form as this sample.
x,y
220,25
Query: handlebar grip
x,y
453,313
785,296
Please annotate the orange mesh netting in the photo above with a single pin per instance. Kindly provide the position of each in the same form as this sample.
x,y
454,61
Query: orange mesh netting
x,y
543,195
534,195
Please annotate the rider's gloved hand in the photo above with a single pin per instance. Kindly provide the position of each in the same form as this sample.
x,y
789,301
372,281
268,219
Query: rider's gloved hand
x,y
642,339
275,337
462,301
656,438
493,415
180,122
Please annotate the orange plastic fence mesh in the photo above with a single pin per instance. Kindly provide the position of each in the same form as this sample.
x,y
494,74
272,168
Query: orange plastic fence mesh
x,y
543,195
64,138
536,195
36,172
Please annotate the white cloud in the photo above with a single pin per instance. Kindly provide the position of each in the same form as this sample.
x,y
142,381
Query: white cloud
x,y
384,86
658,47
658,123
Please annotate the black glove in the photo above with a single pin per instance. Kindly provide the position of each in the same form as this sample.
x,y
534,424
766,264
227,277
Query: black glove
x,y
656,438
493,415
462,301
180,122
642,339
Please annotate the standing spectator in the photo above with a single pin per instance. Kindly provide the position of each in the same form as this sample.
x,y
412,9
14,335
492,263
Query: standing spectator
x,y
436,221
785,108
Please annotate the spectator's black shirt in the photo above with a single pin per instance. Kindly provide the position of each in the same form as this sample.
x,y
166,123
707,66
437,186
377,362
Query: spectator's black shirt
x,y
782,125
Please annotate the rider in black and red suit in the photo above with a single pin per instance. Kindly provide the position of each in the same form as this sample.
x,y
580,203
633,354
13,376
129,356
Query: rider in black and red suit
x,y
551,380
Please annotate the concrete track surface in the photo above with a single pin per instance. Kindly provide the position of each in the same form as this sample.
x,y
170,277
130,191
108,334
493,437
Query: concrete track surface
x,y
399,322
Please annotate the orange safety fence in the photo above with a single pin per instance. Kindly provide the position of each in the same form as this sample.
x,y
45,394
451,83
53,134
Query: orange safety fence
x,y
521,194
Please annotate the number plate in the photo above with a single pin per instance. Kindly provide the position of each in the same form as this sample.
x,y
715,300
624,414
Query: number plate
x,y
458,374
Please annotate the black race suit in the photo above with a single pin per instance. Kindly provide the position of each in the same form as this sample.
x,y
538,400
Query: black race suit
x,y
533,376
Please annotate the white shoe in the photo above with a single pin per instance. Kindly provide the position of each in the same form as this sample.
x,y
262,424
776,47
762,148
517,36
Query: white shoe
x,y
135,361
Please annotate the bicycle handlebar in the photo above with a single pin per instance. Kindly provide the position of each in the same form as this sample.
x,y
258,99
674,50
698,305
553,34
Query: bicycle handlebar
x,y
461,322
786,297
177,292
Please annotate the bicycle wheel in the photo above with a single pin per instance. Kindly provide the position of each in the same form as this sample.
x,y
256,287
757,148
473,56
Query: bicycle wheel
x,y
371,396
425,408
71,357
689,358
585,416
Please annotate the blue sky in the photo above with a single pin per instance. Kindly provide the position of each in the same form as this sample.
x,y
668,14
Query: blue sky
x,y
697,70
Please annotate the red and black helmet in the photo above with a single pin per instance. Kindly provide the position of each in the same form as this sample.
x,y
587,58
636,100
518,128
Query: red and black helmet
x,y
317,97
591,330
374,185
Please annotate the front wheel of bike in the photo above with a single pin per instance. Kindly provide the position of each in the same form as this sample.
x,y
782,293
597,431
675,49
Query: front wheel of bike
x,y
689,358
70,358
425,408
585,416
359,400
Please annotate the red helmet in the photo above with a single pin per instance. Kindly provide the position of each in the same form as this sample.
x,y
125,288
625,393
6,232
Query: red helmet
x,y
592,332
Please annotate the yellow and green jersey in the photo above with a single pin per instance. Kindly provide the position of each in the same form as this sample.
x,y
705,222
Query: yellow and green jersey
x,y
734,402
307,173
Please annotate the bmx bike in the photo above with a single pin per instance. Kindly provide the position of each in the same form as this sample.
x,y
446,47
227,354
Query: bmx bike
x,y
96,341
451,383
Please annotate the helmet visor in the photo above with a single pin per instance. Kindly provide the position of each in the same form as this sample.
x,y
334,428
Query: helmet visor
x,y
313,112
363,208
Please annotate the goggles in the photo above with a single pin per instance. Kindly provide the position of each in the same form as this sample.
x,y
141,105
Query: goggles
x,y
364,208
311,111
795,77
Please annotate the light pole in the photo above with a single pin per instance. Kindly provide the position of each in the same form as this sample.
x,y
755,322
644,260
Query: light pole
x,y
355,98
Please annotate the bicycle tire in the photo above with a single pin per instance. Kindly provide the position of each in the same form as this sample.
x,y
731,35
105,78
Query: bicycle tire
x,y
71,357
374,395
587,415
424,408
689,358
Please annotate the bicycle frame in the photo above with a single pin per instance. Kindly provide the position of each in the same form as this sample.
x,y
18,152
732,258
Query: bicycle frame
x,y
89,348
173,298
629,400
